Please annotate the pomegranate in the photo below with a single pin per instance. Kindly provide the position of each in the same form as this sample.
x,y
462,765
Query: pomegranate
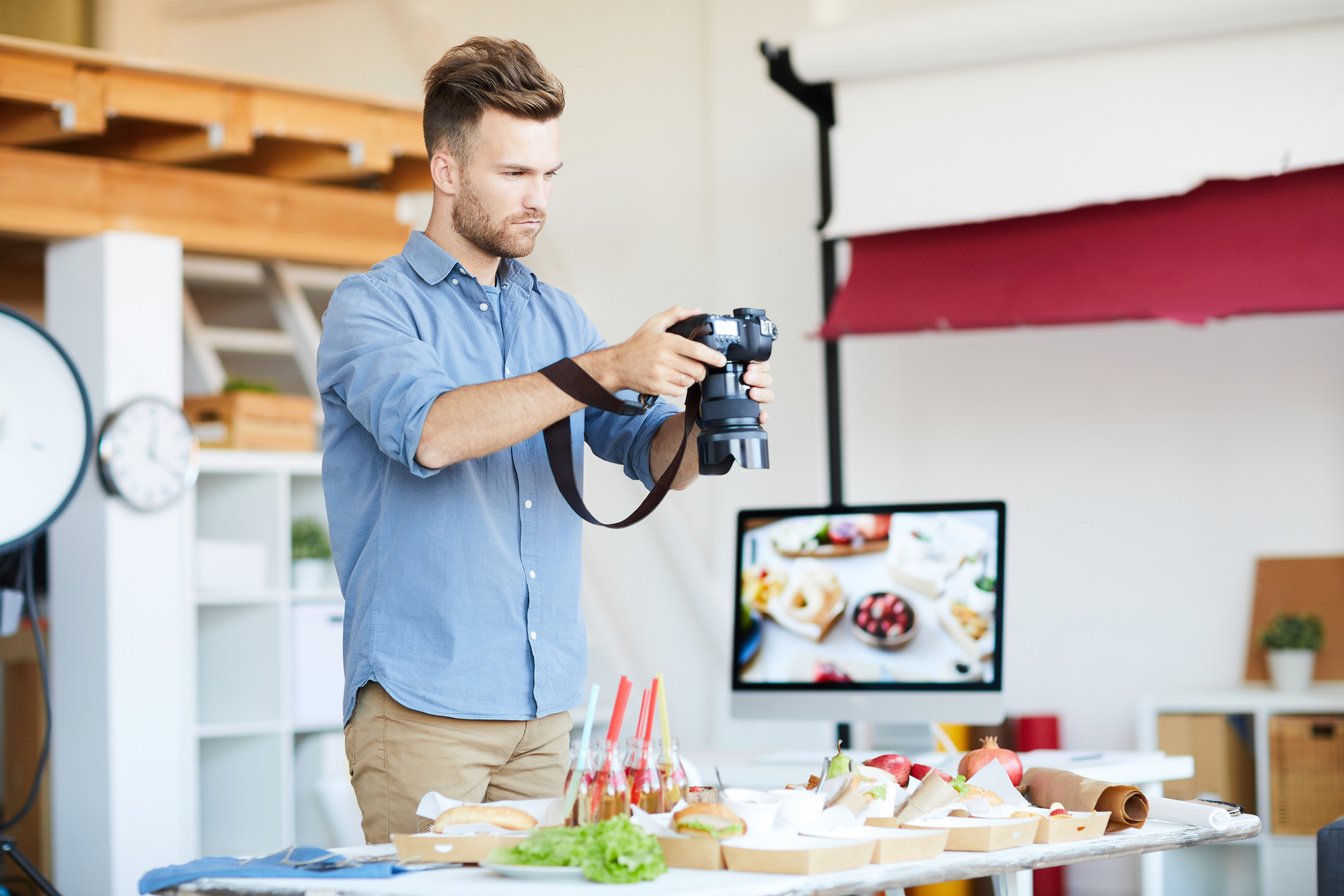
x,y
990,750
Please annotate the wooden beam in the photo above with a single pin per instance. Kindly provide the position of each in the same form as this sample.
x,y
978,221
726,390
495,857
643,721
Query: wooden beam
x,y
51,195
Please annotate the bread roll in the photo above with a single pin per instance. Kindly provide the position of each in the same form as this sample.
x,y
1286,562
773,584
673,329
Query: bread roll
x,y
506,817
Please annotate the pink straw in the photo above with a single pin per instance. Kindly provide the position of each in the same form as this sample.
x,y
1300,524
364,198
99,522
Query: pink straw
x,y
652,694
643,711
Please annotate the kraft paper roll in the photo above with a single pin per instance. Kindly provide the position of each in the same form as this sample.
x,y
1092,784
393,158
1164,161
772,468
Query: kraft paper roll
x,y
1182,812
1127,804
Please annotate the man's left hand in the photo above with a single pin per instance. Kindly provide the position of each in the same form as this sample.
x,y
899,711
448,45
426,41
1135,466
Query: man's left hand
x,y
757,376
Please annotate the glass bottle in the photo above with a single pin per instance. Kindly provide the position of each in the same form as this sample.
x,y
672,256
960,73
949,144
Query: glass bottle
x,y
607,794
641,772
575,768
671,773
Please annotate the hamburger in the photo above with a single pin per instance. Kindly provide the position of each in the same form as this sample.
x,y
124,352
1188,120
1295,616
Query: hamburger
x,y
506,817
708,820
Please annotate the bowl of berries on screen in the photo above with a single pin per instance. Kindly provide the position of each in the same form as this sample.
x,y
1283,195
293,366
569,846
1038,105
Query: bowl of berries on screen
x,y
883,619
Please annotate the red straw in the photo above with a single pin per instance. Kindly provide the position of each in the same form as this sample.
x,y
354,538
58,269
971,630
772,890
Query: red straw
x,y
652,695
643,712
618,711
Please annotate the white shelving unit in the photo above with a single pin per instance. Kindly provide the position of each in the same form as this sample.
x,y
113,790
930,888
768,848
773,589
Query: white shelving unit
x,y
1271,864
268,665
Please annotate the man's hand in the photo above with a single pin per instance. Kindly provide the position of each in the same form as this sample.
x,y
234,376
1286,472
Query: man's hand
x,y
654,361
757,376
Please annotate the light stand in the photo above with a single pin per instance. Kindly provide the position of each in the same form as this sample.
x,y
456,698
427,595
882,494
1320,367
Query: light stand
x,y
46,438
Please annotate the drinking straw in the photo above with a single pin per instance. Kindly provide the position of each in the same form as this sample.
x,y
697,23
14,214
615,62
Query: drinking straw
x,y
581,761
613,735
648,724
662,705
643,711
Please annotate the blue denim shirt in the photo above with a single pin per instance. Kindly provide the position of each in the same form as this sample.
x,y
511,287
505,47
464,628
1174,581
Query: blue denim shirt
x,y
462,584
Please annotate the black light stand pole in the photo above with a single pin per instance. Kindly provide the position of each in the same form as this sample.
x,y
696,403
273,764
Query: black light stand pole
x,y
820,100
11,849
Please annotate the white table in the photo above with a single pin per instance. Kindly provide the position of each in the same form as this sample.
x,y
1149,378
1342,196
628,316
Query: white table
x,y
1002,866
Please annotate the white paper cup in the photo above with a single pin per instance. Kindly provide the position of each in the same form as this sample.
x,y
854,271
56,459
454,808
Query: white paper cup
x,y
757,808
799,808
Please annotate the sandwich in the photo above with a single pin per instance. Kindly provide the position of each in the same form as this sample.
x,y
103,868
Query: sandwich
x,y
506,817
708,820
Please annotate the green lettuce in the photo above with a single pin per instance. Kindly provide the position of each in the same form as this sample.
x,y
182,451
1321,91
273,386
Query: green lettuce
x,y
615,851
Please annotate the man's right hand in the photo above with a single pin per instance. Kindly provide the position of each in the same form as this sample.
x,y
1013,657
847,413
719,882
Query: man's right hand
x,y
653,361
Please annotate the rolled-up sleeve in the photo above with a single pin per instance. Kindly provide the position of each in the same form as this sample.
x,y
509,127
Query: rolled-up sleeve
x,y
373,361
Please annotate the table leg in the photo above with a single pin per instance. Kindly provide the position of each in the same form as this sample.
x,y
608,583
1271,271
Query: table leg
x,y
1012,883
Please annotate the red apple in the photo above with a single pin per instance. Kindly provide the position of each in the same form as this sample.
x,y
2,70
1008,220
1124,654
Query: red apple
x,y
894,763
918,771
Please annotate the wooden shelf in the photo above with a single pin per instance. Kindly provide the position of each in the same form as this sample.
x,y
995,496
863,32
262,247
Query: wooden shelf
x,y
91,142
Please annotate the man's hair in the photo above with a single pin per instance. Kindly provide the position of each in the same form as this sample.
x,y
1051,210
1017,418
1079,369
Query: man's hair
x,y
485,73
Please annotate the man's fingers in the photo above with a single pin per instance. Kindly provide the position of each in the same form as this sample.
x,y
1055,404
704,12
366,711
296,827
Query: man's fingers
x,y
664,319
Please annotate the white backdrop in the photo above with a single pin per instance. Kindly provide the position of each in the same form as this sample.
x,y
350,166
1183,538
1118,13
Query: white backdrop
x,y
1145,465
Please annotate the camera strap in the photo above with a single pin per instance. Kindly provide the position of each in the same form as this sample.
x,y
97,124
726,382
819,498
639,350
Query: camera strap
x,y
575,382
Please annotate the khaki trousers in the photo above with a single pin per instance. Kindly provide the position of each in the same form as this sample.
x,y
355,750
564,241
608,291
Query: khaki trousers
x,y
397,755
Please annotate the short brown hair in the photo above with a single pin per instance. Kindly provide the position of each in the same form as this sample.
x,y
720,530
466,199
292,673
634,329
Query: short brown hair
x,y
485,73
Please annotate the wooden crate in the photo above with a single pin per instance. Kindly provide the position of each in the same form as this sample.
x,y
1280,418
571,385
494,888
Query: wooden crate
x,y
1306,772
253,420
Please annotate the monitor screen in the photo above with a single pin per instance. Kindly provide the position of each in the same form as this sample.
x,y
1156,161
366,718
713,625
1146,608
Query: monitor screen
x,y
836,609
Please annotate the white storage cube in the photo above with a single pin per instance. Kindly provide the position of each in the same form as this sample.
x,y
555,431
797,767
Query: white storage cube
x,y
319,682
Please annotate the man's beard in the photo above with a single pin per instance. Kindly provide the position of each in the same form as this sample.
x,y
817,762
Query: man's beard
x,y
472,222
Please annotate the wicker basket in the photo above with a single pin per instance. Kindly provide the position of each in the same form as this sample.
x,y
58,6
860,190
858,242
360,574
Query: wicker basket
x,y
1306,772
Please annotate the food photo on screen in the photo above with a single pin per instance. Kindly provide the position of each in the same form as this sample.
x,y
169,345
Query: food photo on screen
x,y
908,594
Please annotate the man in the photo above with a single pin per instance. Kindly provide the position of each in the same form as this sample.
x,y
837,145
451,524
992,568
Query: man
x,y
457,555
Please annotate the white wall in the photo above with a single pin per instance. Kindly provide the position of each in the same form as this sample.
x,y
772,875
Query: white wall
x,y
1146,465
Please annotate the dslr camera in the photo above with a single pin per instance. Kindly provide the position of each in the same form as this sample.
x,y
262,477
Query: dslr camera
x,y
730,426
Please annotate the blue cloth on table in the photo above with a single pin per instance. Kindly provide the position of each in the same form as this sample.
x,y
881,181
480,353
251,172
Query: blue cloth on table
x,y
297,861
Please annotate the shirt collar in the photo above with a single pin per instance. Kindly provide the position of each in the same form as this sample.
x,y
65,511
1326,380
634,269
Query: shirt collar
x,y
433,263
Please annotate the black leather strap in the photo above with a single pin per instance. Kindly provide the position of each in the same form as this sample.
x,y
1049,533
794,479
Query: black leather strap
x,y
575,382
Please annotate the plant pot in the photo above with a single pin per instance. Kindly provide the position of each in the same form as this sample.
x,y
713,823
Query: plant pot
x,y
309,574
1291,670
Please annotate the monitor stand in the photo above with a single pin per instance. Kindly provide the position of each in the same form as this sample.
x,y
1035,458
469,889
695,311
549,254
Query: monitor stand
x,y
907,738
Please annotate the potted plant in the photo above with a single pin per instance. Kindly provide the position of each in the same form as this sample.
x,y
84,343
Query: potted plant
x,y
1290,642
310,554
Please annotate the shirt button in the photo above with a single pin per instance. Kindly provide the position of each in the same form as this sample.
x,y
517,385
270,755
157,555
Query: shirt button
x,y
528,504
532,635
531,573
485,307
454,281
507,371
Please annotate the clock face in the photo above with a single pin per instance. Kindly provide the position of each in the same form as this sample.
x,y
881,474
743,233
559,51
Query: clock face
x,y
147,454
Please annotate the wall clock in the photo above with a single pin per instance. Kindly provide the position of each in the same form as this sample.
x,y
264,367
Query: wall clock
x,y
147,454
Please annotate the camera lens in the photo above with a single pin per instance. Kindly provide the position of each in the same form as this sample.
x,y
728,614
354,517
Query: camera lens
x,y
730,428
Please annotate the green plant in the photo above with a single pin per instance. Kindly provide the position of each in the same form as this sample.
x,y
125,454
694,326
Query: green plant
x,y
242,384
1293,631
308,540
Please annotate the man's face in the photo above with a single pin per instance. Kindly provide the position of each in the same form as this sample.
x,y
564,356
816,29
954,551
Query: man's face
x,y
505,184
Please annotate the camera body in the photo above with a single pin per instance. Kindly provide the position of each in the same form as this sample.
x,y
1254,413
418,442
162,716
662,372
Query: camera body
x,y
730,426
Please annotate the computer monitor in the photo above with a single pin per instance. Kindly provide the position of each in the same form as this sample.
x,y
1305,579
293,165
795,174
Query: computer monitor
x,y
887,613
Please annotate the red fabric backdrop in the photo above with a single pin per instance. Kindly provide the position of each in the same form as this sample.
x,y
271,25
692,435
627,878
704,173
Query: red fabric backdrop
x,y
1272,244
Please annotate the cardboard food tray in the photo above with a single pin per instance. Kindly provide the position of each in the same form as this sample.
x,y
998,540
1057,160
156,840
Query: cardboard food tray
x,y
1068,828
982,834
469,849
844,855
893,844
701,853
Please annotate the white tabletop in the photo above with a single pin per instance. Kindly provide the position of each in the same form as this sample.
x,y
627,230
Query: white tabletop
x,y
950,866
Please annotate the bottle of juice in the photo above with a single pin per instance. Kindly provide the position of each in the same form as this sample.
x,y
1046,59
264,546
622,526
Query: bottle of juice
x,y
641,772
671,773
608,794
